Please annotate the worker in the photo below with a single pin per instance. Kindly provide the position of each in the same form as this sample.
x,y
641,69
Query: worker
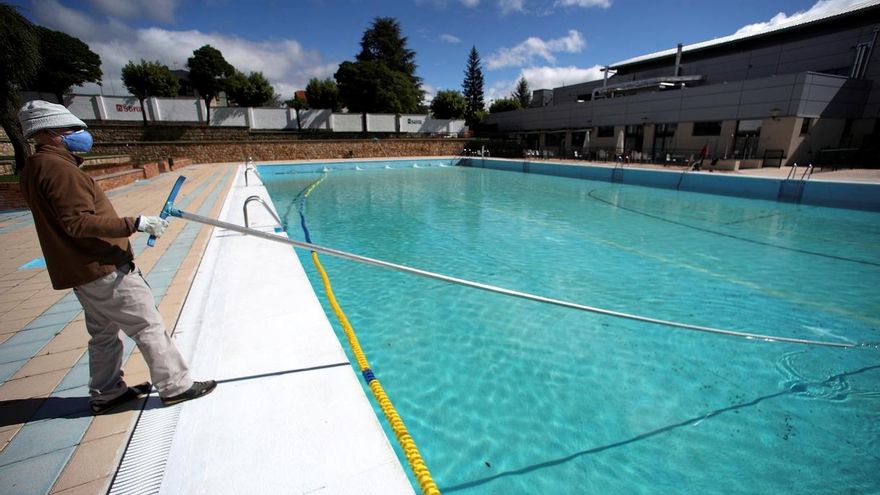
x,y
85,244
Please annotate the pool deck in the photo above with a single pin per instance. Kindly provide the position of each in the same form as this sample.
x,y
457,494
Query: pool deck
x,y
288,411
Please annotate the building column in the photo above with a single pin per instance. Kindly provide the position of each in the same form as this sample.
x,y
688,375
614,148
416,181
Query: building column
x,y
154,109
100,109
249,118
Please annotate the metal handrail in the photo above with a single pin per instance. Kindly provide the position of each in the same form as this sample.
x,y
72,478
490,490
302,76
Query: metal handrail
x,y
259,200
249,167
792,172
808,172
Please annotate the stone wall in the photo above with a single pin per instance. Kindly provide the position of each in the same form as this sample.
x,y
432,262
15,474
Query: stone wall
x,y
204,144
214,152
10,196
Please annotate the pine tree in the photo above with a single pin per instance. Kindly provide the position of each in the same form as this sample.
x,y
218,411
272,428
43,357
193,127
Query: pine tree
x,y
473,88
522,93
383,78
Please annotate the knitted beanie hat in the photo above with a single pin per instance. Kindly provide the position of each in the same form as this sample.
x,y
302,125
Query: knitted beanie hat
x,y
37,115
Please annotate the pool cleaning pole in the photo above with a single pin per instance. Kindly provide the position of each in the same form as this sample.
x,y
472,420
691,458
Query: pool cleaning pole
x,y
169,209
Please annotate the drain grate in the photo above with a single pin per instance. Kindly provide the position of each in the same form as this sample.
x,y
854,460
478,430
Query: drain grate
x,y
143,464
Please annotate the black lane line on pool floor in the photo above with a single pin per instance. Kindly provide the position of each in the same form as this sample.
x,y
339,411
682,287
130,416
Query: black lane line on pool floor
x,y
745,239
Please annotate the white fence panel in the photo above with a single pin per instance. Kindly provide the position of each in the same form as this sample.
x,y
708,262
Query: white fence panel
x,y
315,119
179,110
229,117
274,118
347,122
381,122
84,107
456,127
123,108
412,123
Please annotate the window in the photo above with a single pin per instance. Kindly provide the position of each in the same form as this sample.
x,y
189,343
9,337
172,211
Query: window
x,y
749,126
711,128
805,125
605,131
861,61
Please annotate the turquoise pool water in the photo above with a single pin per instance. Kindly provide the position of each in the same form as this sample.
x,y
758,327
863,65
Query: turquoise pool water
x,y
511,396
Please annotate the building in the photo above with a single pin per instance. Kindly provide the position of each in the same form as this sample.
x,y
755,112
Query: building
x,y
805,92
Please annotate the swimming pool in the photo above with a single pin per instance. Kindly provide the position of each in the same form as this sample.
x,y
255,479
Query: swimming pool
x,y
511,396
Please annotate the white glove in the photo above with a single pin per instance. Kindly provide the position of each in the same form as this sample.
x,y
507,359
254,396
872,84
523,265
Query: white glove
x,y
152,225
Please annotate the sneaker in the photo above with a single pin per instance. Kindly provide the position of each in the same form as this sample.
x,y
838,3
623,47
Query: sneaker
x,y
131,394
197,390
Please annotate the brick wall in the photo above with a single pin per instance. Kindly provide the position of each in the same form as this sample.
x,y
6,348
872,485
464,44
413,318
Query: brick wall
x,y
150,170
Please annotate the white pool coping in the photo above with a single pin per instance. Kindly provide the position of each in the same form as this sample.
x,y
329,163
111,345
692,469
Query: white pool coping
x,y
289,414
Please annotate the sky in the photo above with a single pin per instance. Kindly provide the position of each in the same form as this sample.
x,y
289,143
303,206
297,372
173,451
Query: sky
x,y
550,43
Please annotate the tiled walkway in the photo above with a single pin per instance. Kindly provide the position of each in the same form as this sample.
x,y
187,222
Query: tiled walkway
x,y
49,441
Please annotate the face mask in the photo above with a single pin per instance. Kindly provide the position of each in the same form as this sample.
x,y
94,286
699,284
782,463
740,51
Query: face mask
x,y
78,141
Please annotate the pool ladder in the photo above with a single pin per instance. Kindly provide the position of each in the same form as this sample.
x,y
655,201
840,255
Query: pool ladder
x,y
791,189
259,200
249,166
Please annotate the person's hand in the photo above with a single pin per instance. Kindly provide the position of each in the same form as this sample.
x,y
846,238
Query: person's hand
x,y
152,225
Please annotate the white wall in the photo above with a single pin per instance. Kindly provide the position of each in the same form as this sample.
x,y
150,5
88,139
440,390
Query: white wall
x,y
84,107
121,108
178,110
381,122
128,108
274,118
229,117
315,119
347,122
425,124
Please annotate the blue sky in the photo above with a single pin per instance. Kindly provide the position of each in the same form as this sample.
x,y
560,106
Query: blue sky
x,y
549,42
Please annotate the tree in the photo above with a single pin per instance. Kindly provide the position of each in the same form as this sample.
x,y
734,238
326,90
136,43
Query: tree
x,y
67,62
473,88
448,104
19,62
505,105
373,87
253,90
522,93
323,94
208,71
149,79
382,78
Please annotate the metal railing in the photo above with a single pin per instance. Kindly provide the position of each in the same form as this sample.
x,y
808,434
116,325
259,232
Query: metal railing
x,y
249,166
259,200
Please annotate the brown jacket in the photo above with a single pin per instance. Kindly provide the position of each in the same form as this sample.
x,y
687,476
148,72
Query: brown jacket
x,y
81,235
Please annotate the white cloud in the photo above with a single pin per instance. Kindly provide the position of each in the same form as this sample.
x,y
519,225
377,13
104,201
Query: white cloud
x,y
430,91
553,77
442,4
159,10
603,4
820,8
284,62
449,38
544,78
508,6
532,48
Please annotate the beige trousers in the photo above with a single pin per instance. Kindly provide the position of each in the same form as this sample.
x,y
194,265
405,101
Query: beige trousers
x,y
123,301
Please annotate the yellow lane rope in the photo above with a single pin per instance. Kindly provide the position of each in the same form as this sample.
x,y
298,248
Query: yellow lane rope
x,y
416,463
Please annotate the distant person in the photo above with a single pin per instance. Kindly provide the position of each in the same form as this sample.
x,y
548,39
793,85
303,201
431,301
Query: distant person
x,y
86,247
